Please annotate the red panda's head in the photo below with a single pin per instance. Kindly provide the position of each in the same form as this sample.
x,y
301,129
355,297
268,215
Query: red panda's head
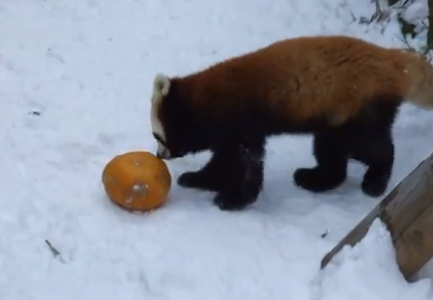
x,y
174,126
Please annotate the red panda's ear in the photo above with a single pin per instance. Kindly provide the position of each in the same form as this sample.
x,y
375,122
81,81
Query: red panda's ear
x,y
161,86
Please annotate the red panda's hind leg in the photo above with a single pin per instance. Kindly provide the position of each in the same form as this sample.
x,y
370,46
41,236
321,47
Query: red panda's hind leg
x,y
373,146
332,155
366,139
377,153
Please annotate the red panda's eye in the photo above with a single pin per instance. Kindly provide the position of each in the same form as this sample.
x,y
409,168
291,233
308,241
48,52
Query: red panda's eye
x,y
158,138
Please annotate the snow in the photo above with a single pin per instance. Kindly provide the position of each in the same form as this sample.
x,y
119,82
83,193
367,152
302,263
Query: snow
x,y
75,88
416,13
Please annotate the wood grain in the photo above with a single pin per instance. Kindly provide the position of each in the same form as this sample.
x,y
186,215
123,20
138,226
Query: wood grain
x,y
408,213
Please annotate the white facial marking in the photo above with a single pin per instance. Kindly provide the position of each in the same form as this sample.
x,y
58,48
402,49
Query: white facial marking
x,y
158,130
161,88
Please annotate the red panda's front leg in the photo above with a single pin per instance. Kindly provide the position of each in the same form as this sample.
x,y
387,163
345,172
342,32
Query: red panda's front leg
x,y
242,179
235,172
210,177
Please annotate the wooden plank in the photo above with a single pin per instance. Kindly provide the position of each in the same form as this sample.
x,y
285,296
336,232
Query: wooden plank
x,y
399,210
415,246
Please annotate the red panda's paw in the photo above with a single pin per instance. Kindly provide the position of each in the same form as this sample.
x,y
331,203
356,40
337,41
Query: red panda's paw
x,y
318,179
198,180
375,182
231,202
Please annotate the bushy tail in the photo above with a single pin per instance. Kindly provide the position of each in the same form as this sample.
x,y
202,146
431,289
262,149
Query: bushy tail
x,y
420,75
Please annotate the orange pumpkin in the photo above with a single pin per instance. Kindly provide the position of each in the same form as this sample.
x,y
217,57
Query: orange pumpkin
x,y
137,181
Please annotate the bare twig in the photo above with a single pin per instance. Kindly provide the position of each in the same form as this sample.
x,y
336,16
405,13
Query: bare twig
x,y
430,26
54,251
379,15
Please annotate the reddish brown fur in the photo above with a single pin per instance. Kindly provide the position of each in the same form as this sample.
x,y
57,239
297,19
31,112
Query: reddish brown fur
x,y
340,91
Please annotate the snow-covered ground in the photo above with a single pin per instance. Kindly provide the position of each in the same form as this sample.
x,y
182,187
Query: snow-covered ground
x,y
75,84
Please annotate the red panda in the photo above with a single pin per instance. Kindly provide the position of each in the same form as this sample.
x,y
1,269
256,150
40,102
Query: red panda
x,y
344,91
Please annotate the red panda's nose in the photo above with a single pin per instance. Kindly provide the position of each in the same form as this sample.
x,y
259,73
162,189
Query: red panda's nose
x,y
163,154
